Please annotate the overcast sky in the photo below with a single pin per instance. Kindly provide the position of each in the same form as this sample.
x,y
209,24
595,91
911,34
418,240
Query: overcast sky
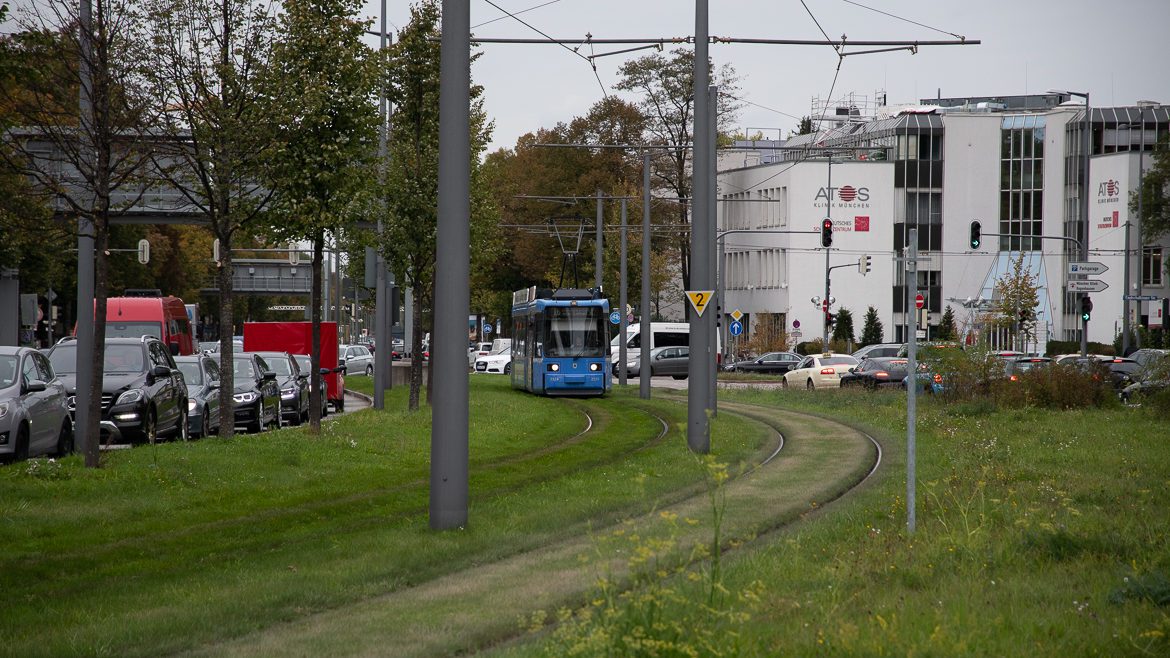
x,y
1116,51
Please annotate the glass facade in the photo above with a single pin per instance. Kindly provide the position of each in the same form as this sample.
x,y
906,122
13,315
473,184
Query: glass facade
x,y
1021,186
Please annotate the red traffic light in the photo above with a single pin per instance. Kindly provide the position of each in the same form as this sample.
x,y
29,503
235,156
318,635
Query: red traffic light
x,y
826,232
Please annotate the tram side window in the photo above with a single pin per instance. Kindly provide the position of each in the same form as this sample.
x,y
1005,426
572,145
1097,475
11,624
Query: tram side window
x,y
671,339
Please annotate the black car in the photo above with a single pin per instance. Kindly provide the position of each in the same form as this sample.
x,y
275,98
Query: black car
x,y
776,363
306,365
1121,371
201,373
1017,365
144,395
255,393
294,386
877,372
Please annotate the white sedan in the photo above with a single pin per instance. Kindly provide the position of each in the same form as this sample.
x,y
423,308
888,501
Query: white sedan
x,y
819,371
499,363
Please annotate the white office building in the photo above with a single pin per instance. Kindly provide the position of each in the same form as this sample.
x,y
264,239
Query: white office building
x,y
1014,164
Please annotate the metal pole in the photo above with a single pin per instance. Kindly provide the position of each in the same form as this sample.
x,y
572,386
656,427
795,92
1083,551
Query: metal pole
x,y
828,215
1124,294
698,427
597,245
715,322
1141,246
87,440
912,370
644,321
1087,141
383,343
622,304
449,411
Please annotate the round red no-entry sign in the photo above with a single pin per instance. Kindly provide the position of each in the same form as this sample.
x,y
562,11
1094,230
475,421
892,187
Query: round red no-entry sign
x,y
825,305
919,301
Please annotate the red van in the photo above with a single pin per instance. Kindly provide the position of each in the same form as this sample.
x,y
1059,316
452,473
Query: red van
x,y
164,318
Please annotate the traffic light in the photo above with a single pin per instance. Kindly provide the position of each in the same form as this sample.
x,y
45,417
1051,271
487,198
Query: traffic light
x,y
830,319
865,264
827,232
1086,308
976,235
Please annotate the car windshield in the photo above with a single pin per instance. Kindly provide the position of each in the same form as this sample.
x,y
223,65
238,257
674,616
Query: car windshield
x,y
64,359
8,369
124,358
243,369
133,329
192,373
280,365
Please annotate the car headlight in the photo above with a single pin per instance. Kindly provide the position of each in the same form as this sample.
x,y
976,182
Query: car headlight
x,y
245,398
190,404
288,393
3,409
133,395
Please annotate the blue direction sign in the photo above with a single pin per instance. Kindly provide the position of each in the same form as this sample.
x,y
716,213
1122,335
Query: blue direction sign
x,y
615,317
736,328
487,328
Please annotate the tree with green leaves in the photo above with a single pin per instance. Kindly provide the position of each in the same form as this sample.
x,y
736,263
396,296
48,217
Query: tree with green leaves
x,y
843,328
665,85
947,330
1016,301
202,60
412,177
1154,200
805,127
101,150
322,80
872,331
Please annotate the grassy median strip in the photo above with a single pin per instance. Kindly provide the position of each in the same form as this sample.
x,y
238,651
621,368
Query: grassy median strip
x,y
178,546
1039,532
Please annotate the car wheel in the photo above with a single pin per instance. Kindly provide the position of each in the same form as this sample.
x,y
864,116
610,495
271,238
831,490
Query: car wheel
x,y
810,386
370,370
150,427
182,432
65,439
21,452
507,368
258,425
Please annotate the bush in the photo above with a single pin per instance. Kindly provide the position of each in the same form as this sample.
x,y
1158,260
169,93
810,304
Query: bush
x,y
1074,347
975,374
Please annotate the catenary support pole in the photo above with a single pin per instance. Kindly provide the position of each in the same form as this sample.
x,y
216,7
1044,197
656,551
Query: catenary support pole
x,y
912,369
382,339
622,302
644,311
698,404
715,319
1087,146
597,244
86,439
827,306
449,412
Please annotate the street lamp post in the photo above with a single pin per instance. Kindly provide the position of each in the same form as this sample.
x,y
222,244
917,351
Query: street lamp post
x,y
1086,142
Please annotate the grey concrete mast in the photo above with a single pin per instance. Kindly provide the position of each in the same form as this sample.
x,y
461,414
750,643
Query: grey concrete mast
x,y
698,392
449,409
383,341
644,323
622,302
598,244
88,441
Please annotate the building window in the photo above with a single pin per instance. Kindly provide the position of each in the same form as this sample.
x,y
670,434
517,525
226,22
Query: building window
x,y
1021,195
1152,266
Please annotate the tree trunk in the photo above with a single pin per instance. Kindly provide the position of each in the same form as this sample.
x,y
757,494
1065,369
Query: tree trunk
x,y
223,276
416,349
101,275
315,391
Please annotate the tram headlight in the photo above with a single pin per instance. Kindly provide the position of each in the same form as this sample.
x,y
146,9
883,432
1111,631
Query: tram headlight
x,y
553,367
595,366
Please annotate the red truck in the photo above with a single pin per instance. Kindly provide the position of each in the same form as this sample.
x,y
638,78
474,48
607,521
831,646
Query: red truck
x,y
297,338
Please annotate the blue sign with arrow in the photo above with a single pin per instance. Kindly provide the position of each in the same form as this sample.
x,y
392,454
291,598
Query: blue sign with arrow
x,y
736,328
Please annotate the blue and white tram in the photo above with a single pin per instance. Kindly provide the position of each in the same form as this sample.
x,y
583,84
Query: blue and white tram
x,y
560,342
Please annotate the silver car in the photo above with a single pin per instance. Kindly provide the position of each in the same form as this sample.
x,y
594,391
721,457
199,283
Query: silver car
x,y
673,361
357,359
34,416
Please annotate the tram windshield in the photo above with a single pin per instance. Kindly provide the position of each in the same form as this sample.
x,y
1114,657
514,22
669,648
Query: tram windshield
x,y
574,331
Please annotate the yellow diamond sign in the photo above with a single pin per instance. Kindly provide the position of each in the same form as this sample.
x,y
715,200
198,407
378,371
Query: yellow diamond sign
x,y
699,300
736,315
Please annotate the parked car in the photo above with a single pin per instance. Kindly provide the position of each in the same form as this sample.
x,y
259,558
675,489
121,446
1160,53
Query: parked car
x,y
201,373
255,393
1121,371
144,396
498,363
293,383
1018,365
34,413
773,362
671,360
477,351
305,364
356,359
878,349
209,346
876,372
819,371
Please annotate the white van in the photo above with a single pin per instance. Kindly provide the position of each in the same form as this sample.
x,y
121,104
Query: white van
x,y
662,334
